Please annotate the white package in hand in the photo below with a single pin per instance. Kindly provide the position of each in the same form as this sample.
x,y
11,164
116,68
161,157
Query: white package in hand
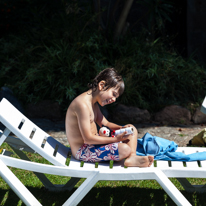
x,y
129,130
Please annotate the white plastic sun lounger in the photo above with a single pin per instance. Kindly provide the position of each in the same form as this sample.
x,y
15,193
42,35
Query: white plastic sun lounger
x,y
203,106
32,138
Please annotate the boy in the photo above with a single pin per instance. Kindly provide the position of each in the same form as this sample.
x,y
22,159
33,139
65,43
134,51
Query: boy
x,y
81,130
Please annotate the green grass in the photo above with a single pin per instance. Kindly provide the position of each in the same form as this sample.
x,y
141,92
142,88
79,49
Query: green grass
x,y
112,193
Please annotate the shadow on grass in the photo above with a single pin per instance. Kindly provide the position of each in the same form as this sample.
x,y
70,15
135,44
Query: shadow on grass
x,y
103,197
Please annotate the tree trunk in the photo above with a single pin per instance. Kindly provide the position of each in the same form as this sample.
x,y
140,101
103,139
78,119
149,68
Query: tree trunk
x,y
196,30
122,19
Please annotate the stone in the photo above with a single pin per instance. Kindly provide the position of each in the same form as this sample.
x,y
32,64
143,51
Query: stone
x,y
199,117
133,115
44,109
174,115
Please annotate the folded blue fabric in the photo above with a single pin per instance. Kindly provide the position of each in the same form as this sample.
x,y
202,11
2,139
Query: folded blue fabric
x,y
163,149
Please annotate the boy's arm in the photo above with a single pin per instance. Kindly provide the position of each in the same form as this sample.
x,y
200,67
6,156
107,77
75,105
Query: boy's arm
x,y
83,116
112,126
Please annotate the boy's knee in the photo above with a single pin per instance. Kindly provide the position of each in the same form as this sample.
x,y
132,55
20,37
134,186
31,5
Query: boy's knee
x,y
124,151
134,128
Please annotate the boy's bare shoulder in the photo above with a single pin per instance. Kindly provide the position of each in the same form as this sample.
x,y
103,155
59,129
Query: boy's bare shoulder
x,y
79,102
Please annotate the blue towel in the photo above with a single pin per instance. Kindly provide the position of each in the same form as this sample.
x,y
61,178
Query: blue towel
x,y
163,149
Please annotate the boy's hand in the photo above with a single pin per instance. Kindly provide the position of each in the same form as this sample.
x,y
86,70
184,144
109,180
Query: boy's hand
x,y
122,137
125,126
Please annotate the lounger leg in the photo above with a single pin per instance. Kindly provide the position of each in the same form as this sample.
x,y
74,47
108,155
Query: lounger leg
x,y
45,181
16,185
71,183
191,188
4,135
81,192
171,190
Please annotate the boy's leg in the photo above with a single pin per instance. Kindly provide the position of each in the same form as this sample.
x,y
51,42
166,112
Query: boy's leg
x,y
132,159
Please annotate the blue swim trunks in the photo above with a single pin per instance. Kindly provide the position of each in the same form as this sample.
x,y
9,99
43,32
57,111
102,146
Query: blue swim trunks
x,y
98,153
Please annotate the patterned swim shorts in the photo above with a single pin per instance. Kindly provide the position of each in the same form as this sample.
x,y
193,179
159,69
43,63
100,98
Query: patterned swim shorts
x,y
98,153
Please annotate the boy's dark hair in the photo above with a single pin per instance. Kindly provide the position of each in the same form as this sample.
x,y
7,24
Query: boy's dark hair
x,y
111,78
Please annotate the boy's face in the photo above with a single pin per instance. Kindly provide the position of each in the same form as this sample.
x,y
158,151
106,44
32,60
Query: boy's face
x,y
108,96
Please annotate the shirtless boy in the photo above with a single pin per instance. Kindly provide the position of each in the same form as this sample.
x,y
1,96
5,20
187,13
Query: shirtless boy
x,y
82,116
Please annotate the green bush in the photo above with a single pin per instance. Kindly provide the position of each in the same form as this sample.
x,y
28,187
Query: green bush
x,y
56,53
156,76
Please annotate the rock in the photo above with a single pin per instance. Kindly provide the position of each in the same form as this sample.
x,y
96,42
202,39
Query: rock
x,y
133,115
173,115
199,117
44,109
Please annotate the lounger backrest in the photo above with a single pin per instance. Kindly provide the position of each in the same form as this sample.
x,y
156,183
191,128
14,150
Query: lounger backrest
x,y
31,134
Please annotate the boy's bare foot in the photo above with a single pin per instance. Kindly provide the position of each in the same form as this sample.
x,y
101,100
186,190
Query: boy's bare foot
x,y
151,160
139,161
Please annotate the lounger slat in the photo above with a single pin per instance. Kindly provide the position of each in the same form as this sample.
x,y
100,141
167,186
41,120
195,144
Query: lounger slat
x,y
201,149
177,164
39,136
203,164
189,150
62,153
51,147
118,164
180,149
88,165
27,128
193,164
74,163
103,165
61,158
7,112
162,164
14,122
61,149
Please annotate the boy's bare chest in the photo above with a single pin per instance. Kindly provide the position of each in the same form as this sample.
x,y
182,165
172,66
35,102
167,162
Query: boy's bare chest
x,y
93,115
